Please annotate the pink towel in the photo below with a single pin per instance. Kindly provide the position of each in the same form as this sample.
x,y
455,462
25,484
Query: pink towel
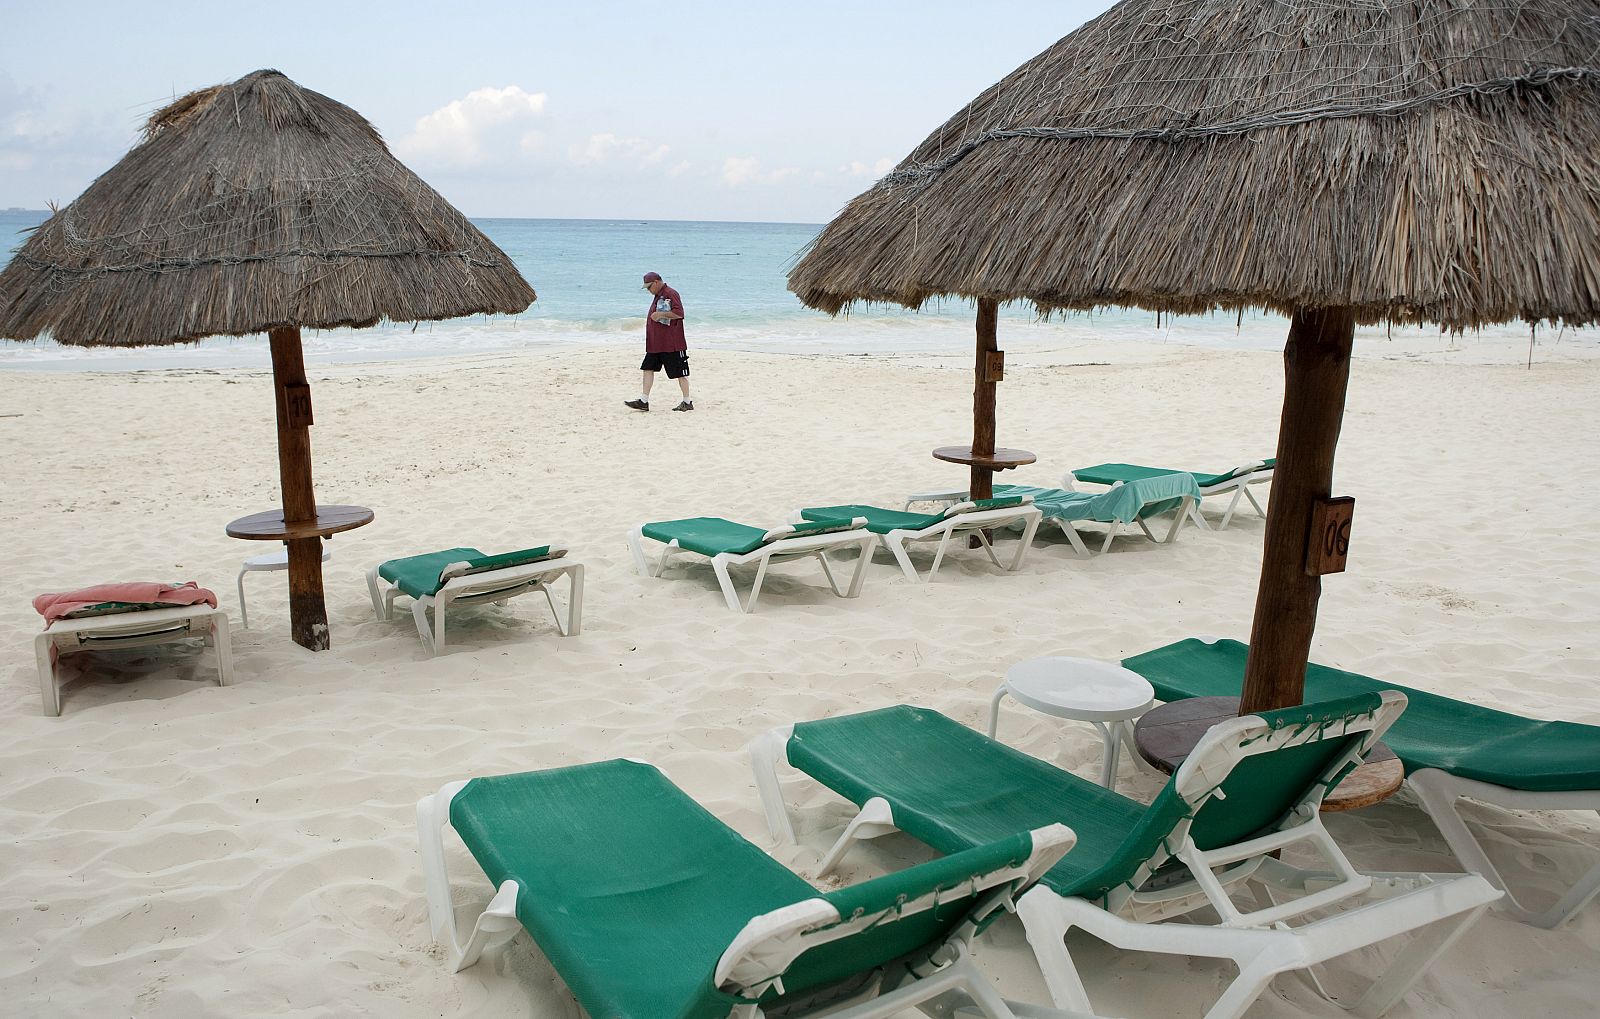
x,y
57,606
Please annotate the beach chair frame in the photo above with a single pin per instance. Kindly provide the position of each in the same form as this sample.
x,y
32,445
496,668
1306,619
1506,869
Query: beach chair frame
x,y
122,630
1072,534
498,586
777,549
961,519
758,956
1436,908
1237,481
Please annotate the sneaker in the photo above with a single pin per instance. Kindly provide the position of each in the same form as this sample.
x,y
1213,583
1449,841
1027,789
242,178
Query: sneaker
x,y
636,404
685,405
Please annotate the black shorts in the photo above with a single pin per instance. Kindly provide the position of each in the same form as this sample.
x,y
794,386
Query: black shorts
x,y
676,363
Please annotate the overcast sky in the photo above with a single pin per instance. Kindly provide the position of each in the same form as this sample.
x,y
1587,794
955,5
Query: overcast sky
x,y
739,110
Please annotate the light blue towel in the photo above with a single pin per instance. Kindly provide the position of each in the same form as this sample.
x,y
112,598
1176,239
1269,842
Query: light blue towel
x,y
1121,504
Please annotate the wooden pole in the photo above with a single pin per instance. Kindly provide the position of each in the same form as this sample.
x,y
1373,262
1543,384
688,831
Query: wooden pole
x,y
308,613
983,386
1316,363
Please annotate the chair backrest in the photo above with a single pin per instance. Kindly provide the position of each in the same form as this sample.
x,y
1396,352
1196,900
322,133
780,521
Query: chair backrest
x,y
909,915
1126,501
501,561
1252,775
979,505
806,528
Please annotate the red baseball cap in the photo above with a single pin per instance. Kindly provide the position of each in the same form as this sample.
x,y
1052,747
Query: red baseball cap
x,y
652,277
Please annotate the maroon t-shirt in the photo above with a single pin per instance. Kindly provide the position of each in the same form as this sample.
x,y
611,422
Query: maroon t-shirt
x,y
660,337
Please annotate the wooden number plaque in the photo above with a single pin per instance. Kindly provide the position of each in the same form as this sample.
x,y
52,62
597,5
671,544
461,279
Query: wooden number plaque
x,y
994,366
1329,541
297,405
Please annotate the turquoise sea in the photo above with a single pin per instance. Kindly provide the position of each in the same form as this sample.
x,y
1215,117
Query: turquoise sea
x,y
731,276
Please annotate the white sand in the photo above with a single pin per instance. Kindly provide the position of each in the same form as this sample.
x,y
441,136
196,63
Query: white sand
x,y
176,849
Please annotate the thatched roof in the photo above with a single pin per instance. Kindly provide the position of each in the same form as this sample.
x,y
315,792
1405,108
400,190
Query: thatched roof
x,y
247,207
1417,161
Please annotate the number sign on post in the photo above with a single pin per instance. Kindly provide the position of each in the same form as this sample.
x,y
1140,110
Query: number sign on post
x,y
1329,541
297,405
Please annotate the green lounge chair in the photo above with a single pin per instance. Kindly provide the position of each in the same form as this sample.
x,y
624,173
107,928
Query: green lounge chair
x,y
896,528
651,908
729,544
1251,788
1237,481
1450,748
465,576
1126,503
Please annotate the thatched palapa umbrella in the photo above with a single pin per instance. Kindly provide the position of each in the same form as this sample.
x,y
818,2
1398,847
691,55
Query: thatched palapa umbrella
x,y
257,206
1338,162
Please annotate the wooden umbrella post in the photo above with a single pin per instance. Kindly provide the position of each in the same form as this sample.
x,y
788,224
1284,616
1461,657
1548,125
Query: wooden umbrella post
x,y
985,375
308,613
1316,363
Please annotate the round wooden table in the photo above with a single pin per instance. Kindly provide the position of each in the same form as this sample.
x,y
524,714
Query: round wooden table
x,y
269,525
1166,735
999,460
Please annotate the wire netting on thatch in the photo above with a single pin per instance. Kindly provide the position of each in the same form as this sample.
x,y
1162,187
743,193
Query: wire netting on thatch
x,y
251,206
1416,161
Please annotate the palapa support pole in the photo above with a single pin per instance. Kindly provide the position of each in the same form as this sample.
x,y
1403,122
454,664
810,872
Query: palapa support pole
x,y
983,399
308,613
1316,363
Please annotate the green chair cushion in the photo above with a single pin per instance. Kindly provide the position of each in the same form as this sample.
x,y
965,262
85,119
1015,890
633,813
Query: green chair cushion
x,y
954,788
1110,474
1464,739
1126,503
418,575
879,520
713,535
631,889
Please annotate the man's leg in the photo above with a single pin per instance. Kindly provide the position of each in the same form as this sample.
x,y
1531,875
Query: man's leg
x,y
683,384
649,379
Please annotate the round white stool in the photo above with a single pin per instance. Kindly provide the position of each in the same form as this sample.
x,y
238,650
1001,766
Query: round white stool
x,y
267,562
1103,693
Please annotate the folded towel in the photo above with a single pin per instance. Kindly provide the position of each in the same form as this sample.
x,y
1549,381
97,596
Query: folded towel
x,y
124,597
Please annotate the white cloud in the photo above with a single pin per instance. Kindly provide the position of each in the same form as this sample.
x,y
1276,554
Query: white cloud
x,y
485,126
856,168
739,171
606,148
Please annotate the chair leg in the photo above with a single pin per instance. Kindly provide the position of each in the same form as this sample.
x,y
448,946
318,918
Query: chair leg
x,y
1076,539
1029,529
244,610
1046,924
1233,504
873,821
439,602
1425,947
895,542
381,607
636,545
222,642
755,588
1111,532
827,571
1439,796
554,612
575,600
419,613
860,574
719,565
495,926
45,655
938,554
766,750
1177,520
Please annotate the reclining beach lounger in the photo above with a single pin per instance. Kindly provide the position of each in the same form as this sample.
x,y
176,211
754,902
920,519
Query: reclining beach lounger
x,y
650,908
1237,481
1251,787
112,625
1127,503
1450,748
465,576
895,528
728,544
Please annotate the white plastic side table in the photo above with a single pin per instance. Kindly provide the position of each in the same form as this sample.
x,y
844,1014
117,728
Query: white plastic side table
x,y
267,562
1083,689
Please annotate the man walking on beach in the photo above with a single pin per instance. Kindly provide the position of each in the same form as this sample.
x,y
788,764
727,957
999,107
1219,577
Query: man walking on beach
x,y
664,345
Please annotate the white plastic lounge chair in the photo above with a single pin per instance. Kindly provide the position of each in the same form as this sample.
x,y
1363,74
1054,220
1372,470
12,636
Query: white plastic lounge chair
x,y
729,544
1125,503
465,576
1237,481
130,628
1451,749
1251,788
649,907
896,529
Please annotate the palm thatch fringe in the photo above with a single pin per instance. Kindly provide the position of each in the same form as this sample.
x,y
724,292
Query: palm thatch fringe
x,y
1414,161
247,207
